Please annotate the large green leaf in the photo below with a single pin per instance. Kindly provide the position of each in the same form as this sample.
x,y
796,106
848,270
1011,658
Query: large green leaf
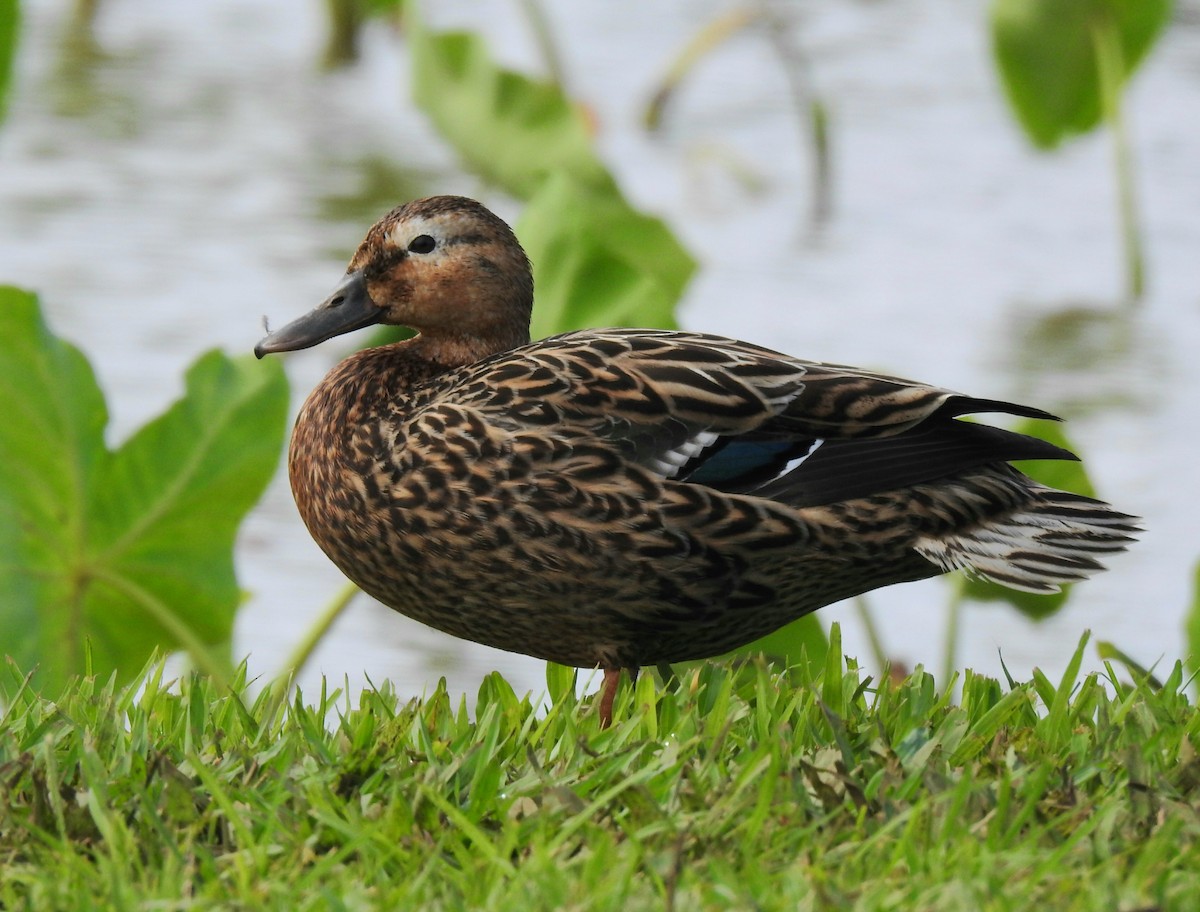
x,y
119,553
1059,473
1046,51
803,640
510,129
10,24
597,262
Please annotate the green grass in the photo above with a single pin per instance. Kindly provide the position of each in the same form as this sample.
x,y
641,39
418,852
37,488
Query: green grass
x,y
736,788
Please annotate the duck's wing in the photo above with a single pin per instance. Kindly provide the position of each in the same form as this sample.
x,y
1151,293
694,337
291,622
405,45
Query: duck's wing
x,y
739,418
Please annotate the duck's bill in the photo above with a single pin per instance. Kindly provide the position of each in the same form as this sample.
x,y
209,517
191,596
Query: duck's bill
x,y
347,309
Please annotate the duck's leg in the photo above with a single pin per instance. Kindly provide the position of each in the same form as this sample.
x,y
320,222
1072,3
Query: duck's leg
x,y
608,693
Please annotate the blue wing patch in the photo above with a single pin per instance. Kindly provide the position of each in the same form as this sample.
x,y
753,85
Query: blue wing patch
x,y
741,465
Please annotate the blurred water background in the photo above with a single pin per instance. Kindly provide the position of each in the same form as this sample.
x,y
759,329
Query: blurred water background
x,y
197,170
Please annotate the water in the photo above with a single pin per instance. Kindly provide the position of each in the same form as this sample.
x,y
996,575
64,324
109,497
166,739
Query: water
x,y
201,172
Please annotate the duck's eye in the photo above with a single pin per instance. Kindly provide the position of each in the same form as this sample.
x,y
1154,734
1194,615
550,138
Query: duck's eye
x,y
422,243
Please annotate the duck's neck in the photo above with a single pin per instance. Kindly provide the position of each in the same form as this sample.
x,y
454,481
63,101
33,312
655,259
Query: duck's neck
x,y
375,380
450,350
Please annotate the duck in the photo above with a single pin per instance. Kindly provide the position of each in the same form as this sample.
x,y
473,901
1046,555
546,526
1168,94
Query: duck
x,y
619,498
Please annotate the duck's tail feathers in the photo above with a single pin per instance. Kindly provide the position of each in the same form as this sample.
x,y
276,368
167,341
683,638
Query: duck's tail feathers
x,y
1055,539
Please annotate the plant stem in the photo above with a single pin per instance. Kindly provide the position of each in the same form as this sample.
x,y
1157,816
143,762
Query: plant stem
x,y
703,43
812,114
345,23
286,679
953,617
84,15
535,14
863,607
308,645
1111,73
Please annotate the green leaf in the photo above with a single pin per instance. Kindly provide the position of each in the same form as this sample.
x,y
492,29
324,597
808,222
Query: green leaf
x,y
597,262
383,7
512,130
10,26
128,551
1109,651
1063,474
802,641
560,682
801,644
1056,726
1046,54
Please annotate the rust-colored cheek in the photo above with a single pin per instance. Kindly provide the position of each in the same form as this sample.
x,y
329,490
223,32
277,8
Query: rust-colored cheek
x,y
393,293
438,296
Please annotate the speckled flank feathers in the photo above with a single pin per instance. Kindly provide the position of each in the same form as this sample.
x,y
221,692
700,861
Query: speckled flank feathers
x,y
621,497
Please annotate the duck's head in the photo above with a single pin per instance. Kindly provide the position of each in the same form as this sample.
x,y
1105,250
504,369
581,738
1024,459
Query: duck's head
x,y
444,266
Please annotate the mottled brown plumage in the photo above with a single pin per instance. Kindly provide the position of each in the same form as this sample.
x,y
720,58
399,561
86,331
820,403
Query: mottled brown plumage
x,y
616,498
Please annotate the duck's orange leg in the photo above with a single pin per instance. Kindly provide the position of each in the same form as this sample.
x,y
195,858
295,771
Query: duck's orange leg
x,y
608,693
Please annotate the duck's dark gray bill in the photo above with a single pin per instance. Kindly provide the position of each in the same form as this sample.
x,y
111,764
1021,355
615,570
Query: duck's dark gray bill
x,y
347,309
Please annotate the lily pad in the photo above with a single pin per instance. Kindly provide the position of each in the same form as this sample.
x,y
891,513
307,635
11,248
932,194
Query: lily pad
x,y
597,262
509,128
1047,54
